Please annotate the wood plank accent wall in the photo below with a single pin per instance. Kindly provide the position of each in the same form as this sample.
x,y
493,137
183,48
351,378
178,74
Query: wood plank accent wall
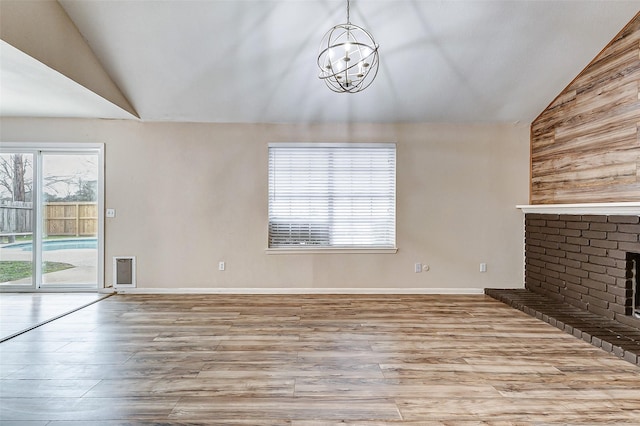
x,y
585,147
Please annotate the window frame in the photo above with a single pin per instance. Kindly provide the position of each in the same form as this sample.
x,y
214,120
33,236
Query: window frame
x,y
320,249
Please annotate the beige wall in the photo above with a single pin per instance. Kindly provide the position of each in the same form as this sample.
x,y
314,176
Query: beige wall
x,y
189,195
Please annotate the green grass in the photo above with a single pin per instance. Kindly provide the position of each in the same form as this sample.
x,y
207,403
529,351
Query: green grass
x,y
14,270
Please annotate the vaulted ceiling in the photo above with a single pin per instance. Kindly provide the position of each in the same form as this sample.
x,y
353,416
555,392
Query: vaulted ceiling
x,y
255,60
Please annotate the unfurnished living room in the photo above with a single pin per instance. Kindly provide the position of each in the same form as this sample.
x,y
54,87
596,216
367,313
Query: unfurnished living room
x,y
319,212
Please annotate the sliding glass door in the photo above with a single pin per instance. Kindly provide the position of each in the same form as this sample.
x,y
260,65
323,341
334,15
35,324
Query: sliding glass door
x,y
55,238
17,266
69,206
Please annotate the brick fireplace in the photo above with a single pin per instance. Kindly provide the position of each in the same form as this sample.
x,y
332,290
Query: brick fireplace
x,y
588,261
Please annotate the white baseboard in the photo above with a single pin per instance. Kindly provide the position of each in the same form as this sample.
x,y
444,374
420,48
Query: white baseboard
x,y
268,291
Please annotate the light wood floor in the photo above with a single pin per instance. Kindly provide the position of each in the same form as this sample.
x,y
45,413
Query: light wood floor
x,y
21,311
307,361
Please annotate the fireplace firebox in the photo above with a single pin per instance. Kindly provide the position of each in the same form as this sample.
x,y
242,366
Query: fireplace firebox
x,y
633,273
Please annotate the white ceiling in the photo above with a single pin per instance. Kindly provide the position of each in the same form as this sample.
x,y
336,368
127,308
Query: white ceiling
x,y
255,61
32,89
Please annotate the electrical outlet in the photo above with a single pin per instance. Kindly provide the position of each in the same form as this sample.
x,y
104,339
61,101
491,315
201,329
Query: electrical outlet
x,y
221,266
418,267
483,267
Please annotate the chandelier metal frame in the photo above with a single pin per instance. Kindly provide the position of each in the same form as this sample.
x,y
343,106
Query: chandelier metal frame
x,y
348,58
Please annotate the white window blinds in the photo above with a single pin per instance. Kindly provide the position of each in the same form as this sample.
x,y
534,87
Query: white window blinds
x,y
332,195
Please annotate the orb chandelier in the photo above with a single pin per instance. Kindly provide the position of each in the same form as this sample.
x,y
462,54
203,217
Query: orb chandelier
x,y
348,58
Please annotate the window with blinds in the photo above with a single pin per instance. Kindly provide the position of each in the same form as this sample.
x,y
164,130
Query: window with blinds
x,y
332,195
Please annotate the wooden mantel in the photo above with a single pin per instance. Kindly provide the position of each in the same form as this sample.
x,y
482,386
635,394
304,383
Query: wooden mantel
x,y
605,209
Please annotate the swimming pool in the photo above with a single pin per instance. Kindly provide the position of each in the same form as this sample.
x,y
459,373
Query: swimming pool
x,y
52,245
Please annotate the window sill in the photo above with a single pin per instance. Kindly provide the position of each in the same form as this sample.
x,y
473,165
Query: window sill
x,y
330,250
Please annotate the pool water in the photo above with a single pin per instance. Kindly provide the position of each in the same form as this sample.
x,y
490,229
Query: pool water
x,y
52,245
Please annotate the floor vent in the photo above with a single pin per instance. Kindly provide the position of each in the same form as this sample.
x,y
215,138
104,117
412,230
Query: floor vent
x,y
124,272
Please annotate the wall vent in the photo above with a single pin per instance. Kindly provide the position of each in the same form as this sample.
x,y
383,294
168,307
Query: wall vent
x,y
124,272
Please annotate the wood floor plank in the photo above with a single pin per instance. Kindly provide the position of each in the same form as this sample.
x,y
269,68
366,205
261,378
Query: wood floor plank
x,y
518,411
285,408
305,360
189,387
86,409
47,388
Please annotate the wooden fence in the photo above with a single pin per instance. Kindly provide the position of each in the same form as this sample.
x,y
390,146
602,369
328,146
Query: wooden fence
x,y
16,218
60,218
77,219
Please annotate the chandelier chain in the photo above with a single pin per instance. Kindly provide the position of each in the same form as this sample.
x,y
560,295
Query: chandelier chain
x,y
348,11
